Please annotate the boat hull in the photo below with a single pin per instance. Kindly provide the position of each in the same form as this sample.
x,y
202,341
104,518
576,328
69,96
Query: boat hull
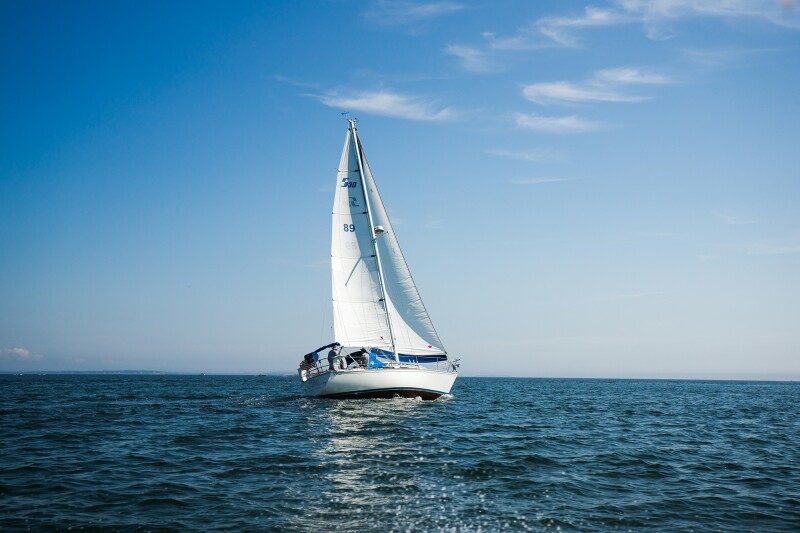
x,y
381,383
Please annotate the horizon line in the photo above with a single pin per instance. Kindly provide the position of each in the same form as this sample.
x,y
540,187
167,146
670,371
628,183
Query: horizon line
x,y
281,373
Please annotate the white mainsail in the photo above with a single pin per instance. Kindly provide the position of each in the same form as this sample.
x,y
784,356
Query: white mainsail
x,y
359,314
374,294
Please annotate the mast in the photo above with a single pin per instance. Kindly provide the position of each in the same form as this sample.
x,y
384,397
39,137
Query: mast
x,y
381,281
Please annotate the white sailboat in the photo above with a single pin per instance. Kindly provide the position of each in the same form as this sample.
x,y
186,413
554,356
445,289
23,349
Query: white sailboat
x,y
386,345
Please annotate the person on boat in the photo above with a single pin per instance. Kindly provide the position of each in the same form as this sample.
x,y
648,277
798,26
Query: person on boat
x,y
360,357
333,358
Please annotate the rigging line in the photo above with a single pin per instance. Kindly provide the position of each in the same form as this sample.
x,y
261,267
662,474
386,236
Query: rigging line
x,y
353,271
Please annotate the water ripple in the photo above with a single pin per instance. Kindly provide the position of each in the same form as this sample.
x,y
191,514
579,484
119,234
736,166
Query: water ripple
x,y
250,453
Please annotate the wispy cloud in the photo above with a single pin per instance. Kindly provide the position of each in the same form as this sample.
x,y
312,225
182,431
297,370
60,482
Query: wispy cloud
x,y
19,354
284,79
387,104
472,59
722,57
628,75
537,181
655,16
433,223
390,12
773,11
732,220
560,29
564,91
603,86
534,155
523,40
562,125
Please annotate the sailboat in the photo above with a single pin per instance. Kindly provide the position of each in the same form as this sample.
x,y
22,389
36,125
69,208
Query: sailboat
x,y
385,343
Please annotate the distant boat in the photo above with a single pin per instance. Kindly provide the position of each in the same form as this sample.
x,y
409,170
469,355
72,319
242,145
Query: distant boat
x,y
386,345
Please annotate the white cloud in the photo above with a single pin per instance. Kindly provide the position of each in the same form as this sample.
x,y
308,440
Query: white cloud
x,y
537,154
712,8
537,181
654,15
629,75
604,86
284,79
559,29
564,91
555,30
723,56
521,41
732,220
399,12
472,59
433,223
18,354
388,104
567,124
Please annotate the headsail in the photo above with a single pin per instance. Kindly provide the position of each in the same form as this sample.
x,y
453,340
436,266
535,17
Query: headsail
x,y
359,310
413,330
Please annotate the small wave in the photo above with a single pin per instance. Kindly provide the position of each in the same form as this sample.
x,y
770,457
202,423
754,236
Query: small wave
x,y
516,454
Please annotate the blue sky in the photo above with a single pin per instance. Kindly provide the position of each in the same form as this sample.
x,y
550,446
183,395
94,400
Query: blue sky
x,y
602,189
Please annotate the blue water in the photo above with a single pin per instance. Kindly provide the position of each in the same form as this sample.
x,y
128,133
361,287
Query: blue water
x,y
249,453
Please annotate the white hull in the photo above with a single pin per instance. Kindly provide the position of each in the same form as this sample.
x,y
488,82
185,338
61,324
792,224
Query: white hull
x,y
381,383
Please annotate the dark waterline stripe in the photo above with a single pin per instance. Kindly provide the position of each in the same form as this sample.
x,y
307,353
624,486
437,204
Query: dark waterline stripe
x,y
408,392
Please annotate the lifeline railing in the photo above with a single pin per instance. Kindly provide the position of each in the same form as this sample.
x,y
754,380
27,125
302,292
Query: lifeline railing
x,y
322,366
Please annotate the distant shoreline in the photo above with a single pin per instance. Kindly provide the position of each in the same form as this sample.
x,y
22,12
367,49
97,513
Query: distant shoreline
x,y
138,373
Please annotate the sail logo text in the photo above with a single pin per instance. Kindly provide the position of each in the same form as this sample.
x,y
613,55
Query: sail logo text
x,y
347,183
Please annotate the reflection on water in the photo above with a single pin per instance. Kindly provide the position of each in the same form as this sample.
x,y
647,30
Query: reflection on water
x,y
364,445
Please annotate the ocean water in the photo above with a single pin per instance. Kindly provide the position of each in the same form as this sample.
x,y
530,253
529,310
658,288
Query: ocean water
x,y
250,453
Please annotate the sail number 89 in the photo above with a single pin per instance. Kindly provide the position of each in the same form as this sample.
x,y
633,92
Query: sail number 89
x,y
349,227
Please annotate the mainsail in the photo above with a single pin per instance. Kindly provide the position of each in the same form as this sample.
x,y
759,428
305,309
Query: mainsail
x,y
374,294
359,314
